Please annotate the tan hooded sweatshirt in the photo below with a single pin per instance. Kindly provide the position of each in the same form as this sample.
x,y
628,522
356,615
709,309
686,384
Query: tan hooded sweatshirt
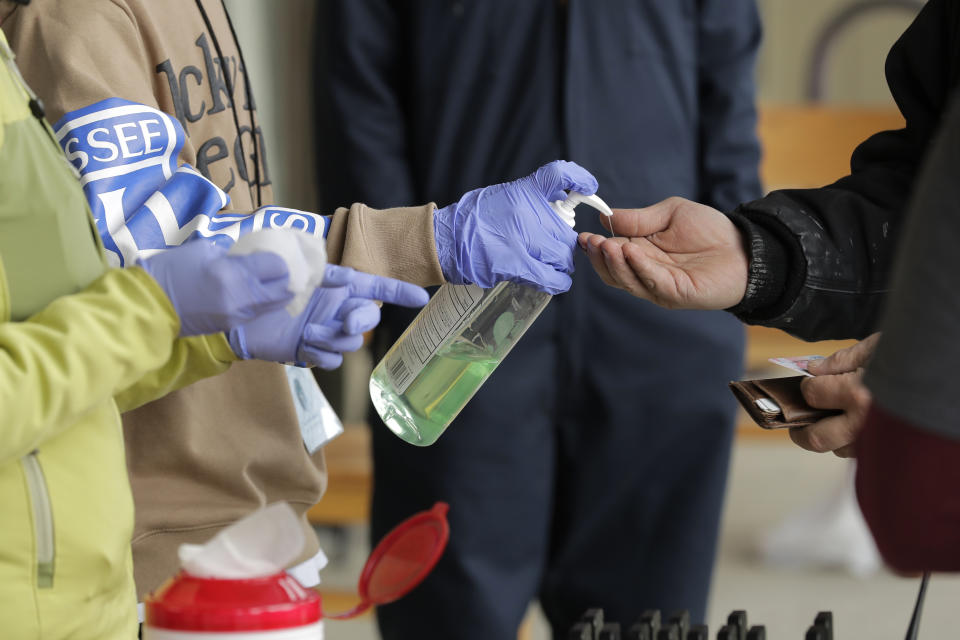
x,y
205,455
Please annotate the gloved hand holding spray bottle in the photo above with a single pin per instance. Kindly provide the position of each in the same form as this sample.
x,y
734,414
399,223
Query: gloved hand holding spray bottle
x,y
504,250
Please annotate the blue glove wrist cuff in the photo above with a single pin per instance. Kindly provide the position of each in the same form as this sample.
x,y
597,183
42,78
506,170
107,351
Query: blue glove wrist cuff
x,y
446,250
238,342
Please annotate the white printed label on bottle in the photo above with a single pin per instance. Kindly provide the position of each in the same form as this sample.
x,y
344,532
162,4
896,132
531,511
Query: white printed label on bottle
x,y
441,319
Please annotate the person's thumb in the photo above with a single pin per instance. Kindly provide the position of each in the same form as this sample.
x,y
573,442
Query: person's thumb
x,y
262,275
849,359
264,266
634,223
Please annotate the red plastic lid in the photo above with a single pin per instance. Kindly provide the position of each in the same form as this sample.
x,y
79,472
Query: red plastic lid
x,y
402,559
189,603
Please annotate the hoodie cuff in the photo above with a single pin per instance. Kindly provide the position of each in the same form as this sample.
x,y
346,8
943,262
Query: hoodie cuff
x,y
396,243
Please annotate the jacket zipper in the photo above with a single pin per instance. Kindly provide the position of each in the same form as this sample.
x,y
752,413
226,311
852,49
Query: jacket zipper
x,y
42,519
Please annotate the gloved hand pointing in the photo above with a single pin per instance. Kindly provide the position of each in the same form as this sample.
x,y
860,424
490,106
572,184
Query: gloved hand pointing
x,y
509,232
333,322
212,291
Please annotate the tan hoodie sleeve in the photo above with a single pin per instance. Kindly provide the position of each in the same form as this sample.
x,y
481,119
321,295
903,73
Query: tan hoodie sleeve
x,y
69,72
397,243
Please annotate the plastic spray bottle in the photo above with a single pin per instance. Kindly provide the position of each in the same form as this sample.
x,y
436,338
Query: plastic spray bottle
x,y
452,347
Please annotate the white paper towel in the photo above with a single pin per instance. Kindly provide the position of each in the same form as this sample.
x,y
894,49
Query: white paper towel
x,y
305,255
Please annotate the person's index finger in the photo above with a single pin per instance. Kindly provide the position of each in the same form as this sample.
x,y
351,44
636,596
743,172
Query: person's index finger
x,y
366,285
620,270
598,263
820,391
830,391
337,276
572,177
583,239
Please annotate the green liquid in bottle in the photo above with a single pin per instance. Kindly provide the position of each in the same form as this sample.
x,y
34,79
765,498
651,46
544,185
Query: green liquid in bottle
x,y
435,396
461,363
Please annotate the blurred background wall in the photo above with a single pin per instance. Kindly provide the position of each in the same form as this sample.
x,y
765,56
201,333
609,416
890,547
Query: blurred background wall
x,y
855,66
276,38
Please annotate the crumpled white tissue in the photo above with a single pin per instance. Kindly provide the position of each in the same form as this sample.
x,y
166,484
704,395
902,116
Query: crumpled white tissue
x,y
305,255
260,544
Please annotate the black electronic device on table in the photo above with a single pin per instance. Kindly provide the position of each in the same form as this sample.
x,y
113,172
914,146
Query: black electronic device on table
x,y
592,625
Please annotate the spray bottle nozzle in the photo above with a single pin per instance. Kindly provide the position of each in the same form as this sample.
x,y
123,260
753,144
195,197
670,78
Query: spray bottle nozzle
x,y
564,208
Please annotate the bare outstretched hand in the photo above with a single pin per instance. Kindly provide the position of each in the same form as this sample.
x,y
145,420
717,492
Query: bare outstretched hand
x,y
677,253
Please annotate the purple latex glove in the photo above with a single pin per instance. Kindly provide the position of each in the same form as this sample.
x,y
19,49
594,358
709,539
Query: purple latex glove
x,y
212,291
509,232
339,312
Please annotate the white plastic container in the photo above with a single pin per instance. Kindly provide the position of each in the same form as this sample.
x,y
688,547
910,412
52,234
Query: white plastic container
x,y
452,347
310,632
274,607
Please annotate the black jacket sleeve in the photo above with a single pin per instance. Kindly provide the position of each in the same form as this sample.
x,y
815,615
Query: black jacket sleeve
x,y
362,128
821,258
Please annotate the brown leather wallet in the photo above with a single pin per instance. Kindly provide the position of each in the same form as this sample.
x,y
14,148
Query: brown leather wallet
x,y
777,403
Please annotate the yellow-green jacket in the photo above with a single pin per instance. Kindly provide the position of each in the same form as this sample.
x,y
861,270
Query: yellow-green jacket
x,y
74,335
